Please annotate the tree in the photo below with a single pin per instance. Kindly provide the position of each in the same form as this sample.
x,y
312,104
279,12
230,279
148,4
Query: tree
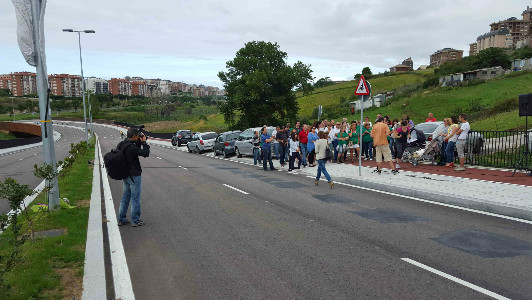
x,y
366,71
322,82
491,57
260,86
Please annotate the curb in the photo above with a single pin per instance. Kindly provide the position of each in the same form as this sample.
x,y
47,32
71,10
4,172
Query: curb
x,y
467,202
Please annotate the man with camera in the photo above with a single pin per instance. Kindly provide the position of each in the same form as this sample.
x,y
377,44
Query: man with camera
x,y
134,146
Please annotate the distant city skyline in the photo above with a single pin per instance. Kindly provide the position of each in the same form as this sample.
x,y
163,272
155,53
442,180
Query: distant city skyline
x,y
191,41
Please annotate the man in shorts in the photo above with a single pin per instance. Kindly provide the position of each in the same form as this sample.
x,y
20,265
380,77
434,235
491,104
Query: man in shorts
x,y
380,133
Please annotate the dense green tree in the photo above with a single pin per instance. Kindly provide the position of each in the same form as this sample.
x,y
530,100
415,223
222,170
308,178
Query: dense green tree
x,y
260,86
522,53
491,57
326,81
366,71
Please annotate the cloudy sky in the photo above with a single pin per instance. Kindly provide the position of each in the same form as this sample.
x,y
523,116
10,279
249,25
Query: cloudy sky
x,y
190,40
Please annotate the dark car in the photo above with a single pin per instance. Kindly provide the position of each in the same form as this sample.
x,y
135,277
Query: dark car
x,y
225,143
182,137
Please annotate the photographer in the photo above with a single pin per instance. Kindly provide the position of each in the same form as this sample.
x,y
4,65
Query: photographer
x,y
134,146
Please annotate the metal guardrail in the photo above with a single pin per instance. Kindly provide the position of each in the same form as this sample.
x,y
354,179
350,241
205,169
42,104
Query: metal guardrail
x,y
502,149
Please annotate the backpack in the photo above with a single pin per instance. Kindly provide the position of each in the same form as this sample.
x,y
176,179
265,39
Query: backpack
x,y
115,162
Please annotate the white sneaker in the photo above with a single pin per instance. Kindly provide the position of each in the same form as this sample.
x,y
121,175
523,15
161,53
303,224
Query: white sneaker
x,y
397,166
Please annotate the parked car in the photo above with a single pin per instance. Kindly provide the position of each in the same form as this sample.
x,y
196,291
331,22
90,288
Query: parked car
x,y
225,143
244,144
202,141
181,137
475,140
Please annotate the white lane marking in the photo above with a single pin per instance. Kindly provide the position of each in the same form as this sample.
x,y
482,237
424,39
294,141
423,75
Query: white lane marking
x,y
457,280
234,188
158,157
121,278
185,168
438,203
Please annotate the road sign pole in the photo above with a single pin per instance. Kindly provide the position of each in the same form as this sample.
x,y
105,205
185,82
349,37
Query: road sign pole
x,y
361,99
44,109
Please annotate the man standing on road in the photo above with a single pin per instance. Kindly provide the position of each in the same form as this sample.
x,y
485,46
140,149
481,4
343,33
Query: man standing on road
x,y
282,139
380,133
266,140
303,140
462,141
134,146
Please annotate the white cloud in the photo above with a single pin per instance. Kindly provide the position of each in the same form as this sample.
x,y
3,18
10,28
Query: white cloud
x,y
191,40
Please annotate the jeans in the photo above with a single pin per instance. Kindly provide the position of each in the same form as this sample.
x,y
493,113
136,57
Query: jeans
x,y
132,189
283,152
304,152
335,144
321,169
292,159
256,156
392,147
449,152
276,149
267,157
367,149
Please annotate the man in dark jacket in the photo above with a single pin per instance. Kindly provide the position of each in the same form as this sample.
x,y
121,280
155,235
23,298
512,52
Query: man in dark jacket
x,y
134,146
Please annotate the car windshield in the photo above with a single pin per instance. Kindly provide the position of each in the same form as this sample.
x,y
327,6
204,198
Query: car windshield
x,y
233,136
427,127
209,136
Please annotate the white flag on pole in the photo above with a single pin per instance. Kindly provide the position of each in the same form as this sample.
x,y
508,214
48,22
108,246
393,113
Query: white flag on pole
x,y
25,30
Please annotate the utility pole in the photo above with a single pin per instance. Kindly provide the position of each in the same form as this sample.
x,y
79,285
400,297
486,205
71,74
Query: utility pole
x,y
44,103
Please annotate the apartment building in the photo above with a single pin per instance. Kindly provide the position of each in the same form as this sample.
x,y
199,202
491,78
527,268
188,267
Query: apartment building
x,y
510,33
65,85
119,86
408,62
19,83
445,55
97,85
139,88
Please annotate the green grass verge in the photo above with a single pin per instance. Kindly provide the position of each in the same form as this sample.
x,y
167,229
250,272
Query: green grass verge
x,y
52,268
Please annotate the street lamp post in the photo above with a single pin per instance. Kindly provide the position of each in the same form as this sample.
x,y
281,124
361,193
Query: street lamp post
x,y
82,78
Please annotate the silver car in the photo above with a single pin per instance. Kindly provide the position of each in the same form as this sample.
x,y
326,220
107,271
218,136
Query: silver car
x,y
202,141
244,144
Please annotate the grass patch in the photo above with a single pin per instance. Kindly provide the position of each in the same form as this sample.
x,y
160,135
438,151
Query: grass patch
x,y
214,122
52,268
6,136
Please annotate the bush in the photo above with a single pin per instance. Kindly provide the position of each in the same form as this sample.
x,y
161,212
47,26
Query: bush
x,y
431,82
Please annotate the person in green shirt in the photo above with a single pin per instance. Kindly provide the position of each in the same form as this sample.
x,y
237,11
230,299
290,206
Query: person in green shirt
x,y
342,143
353,140
367,142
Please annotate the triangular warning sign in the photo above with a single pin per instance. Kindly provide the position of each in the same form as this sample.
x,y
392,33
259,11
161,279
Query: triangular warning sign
x,y
362,88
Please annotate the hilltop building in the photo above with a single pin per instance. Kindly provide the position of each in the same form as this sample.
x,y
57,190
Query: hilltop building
x,y
445,55
510,33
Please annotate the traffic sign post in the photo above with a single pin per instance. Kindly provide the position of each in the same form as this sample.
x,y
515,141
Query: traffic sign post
x,y
320,111
363,90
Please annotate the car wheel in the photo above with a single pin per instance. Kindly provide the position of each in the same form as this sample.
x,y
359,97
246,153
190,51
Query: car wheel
x,y
238,154
226,155
188,148
198,150
215,152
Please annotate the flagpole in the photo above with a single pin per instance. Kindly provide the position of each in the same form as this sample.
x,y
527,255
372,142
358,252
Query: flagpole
x,y
44,107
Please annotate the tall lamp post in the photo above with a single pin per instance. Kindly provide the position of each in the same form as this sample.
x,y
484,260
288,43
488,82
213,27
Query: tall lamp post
x,y
82,78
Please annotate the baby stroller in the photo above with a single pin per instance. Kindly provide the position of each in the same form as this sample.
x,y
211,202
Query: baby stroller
x,y
414,144
431,151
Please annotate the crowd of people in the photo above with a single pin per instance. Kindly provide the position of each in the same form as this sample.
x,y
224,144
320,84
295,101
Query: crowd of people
x,y
385,140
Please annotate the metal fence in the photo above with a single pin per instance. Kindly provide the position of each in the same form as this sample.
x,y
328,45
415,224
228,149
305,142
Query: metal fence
x,y
502,149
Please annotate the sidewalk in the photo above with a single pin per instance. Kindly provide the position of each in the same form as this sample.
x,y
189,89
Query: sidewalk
x,y
484,189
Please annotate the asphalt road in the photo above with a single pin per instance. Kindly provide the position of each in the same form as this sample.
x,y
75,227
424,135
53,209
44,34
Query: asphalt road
x,y
217,229
288,239
19,165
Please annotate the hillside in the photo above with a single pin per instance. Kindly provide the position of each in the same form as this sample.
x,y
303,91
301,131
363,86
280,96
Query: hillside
x,y
492,105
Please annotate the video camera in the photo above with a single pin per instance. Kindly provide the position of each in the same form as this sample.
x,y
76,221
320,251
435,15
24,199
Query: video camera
x,y
142,131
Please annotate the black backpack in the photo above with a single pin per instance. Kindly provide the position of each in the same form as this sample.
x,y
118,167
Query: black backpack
x,y
116,163
328,153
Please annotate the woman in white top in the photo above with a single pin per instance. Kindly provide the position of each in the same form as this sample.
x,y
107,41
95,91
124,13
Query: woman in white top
x,y
321,156
294,151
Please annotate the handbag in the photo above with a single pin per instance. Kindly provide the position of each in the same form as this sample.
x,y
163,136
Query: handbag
x,y
328,153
